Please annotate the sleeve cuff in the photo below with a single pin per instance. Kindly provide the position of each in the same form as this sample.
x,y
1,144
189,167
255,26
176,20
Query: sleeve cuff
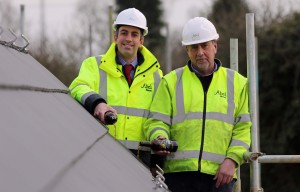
x,y
92,101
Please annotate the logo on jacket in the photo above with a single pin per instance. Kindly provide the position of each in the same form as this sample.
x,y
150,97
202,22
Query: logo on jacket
x,y
221,94
147,87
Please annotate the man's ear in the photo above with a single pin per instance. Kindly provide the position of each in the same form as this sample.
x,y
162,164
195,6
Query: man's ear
x,y
142,40
115,37
216,46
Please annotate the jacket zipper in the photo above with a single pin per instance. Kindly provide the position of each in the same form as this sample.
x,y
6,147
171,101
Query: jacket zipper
x,y
203,131
147,69
140,73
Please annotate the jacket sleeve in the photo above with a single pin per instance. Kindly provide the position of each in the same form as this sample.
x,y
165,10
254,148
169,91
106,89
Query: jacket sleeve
x,y
85,86
240,142
159,119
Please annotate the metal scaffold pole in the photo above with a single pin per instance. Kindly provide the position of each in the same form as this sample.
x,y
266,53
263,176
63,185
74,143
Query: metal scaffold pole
x,y
234,64
168,50
234,54
90,40
22,18
110,22
252,77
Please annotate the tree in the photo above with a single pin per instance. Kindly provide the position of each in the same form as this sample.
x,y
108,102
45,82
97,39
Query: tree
x,y
63,56
6,18
90,15
279,77
229,19
54,63
179,54
153,13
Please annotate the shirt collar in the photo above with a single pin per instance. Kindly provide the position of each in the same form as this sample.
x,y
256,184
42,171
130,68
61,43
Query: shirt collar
x,y
123,62
194,70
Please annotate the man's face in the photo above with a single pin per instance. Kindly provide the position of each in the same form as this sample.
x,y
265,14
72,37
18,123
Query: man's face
x,y
129,39
202,56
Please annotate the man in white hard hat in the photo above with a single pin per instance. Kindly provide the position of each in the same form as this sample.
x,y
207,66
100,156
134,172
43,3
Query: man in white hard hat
x,y
122,81
204,107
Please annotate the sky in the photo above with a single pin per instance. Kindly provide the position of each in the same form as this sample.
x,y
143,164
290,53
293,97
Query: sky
x,y
58,13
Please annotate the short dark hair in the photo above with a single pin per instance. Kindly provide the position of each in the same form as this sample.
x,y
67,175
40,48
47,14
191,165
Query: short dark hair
x,y
118,27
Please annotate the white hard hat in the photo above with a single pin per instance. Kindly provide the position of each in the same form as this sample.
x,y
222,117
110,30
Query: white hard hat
x,y
198,30
132,17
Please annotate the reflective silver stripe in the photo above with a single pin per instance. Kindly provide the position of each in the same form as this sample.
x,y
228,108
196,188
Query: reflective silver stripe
x,y
179,96
85,96
159,116
132,111
236,142
190,115
120,109
183,155
157,78
230,90
134,145
195,154
138,112
77,86
243,118
209,115
103,79
220,117
103,84
217,158
158,128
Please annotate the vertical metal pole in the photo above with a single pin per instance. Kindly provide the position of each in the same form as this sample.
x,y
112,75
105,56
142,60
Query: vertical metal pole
x,y
234,54
110,22
169,50
257,93
43,38
234,64
255,167
90,39
22,8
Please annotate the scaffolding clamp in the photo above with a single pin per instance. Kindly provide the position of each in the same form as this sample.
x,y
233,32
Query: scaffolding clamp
x,y
252,156
159,181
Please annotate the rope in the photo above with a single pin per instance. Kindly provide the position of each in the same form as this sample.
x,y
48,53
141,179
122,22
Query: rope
x,y
31,88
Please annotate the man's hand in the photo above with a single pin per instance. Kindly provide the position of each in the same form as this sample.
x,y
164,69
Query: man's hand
x,y
225,173
100,110
161,152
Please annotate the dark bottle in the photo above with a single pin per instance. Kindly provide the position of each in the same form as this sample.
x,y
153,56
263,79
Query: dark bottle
x,y
161,145
110,118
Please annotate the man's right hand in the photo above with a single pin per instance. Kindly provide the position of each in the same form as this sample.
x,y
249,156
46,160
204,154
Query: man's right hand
x,y
100,110
161,152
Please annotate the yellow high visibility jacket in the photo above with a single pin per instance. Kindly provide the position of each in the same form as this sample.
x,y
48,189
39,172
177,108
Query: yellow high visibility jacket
x,y
208,126
101,79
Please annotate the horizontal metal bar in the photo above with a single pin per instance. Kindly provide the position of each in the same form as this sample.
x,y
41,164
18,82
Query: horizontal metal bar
x,y
279,159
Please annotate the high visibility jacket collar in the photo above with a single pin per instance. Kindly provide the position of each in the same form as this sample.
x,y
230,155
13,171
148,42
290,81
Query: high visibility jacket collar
x,y
140,58
111,65
217,62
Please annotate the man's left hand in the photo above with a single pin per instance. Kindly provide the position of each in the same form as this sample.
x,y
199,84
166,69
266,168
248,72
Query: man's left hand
x,y
225,172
